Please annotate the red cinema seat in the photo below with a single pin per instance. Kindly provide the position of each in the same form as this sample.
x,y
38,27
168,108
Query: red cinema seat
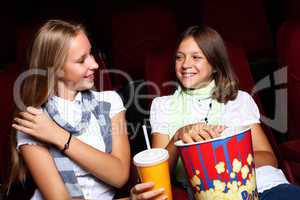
x,y
134,33
7,80
242,22
160,72
288,48
291,8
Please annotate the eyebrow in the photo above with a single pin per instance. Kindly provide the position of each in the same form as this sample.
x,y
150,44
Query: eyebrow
x,y
194,52
84,55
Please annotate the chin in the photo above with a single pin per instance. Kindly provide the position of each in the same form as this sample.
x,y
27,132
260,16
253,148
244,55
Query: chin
x,y
86,87
188,85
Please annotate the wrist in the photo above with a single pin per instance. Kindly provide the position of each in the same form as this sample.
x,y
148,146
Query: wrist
x,y
66,146
61,138
176,137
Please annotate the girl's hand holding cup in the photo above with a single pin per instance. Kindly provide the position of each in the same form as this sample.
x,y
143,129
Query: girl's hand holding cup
x,y
144,191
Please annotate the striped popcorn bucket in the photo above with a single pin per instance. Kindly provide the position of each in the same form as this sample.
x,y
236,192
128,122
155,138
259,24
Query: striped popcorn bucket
x,y
221,168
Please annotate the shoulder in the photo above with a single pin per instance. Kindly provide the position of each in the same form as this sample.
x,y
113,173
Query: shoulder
x,y
108,96
242,98
241,111
112,97
163,100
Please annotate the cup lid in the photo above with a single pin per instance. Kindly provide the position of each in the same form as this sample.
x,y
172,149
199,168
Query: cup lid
x,y
150,157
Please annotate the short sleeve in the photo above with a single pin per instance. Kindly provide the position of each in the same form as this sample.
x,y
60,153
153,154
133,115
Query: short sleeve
x,y
242,111
159,115
23,139
116,104
114,99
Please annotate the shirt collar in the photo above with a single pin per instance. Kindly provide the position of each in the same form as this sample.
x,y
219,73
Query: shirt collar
x,y
77,99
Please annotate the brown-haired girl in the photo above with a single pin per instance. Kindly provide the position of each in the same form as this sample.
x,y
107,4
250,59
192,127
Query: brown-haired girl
x,y
207,101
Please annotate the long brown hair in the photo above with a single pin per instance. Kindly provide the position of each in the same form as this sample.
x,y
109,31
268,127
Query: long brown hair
x,y
212,45
48,54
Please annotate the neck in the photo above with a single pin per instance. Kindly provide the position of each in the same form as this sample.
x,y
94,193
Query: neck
x,y
204,90
64,92
203,85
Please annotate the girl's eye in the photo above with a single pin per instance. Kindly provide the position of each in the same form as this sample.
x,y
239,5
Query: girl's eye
x,y
178,57
196,57
81,61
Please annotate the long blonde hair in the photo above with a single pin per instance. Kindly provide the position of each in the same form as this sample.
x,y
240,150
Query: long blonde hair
x,y
48,52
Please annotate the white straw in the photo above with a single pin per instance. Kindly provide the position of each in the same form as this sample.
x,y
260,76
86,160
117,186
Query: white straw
x,y
146,137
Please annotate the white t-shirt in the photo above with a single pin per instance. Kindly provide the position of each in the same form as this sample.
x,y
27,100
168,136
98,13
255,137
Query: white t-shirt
x,y
71,112
242,111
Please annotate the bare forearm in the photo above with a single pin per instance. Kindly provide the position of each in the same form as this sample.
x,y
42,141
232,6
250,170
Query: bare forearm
x,y
42,168
62,195
262,158
173,153
163,141
104,166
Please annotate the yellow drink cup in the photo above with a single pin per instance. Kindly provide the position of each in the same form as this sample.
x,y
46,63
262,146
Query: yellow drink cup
x,y
152,166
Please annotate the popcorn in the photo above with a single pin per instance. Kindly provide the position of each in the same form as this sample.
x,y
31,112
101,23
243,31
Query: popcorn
x,y
232,190
195,181
232,175
233,186
236,165
249,159
245,171
227,168
219,186
220,167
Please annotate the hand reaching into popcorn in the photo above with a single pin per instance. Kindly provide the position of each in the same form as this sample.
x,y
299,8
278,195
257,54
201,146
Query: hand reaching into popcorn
x,y
198,132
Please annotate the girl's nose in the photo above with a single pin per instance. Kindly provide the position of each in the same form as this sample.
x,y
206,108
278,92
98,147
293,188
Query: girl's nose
x,y
186,63
92,63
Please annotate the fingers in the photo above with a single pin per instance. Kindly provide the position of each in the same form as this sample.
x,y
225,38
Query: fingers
x,y
27,116
196,137
33,111
141,191
220,128
199,132
206,134
215,130
23,122
142,187
150,194
23,129
212,131
30,113
187,138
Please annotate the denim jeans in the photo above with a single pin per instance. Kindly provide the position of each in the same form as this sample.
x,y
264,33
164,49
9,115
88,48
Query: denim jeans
x,y
281,192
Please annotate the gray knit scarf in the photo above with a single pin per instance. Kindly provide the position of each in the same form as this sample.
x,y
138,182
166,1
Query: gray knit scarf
x,y
90,105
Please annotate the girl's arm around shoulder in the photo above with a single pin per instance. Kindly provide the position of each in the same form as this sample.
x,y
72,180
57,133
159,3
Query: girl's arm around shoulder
x,y
43,170
112,168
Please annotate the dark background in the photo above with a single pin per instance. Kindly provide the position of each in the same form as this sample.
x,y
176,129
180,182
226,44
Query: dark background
x,y
125,32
